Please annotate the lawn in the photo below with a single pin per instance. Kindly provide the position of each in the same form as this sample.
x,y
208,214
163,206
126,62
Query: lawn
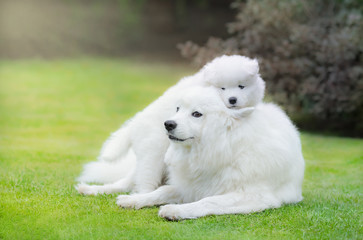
x,y
54,116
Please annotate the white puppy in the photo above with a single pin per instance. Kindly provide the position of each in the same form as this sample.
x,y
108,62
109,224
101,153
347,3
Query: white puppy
x,y
222,165
143,137
238,80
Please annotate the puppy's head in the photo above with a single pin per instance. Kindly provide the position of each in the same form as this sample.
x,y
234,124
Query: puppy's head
x,y
200,110
238,80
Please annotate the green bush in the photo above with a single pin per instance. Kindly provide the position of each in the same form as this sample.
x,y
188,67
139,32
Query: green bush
x,y
311,56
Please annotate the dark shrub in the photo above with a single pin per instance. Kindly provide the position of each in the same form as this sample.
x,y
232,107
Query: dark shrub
x,y
310,53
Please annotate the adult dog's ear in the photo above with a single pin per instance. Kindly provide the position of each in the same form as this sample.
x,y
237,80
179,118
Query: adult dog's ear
x,y
240,113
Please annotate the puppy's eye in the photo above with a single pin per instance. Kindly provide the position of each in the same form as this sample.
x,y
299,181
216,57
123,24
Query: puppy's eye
x,y
223,88
197,114
241,87
177,109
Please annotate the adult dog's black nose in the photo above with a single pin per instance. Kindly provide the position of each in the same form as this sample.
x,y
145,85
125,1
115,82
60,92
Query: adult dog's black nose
x,y
170,125
232,100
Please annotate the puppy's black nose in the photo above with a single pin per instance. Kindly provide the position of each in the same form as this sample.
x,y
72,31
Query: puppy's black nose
x,y
170,125
232,100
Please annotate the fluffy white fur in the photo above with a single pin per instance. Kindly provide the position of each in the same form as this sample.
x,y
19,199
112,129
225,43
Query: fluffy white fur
x,y
145,133
219,164
238,77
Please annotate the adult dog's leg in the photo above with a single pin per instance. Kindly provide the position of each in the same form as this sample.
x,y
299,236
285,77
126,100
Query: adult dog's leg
x,y
149,171
232,203
122,185
163,195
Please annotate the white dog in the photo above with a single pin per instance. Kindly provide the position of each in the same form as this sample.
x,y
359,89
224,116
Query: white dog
x,y
143,137
219,164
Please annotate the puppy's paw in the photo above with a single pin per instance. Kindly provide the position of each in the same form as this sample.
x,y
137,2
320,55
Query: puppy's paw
x,y
86,189
129,201
174,212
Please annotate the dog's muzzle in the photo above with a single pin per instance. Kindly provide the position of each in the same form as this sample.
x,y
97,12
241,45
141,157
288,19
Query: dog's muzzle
x,y
170,125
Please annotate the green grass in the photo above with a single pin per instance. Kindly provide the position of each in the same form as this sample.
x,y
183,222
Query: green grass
x,y
54,116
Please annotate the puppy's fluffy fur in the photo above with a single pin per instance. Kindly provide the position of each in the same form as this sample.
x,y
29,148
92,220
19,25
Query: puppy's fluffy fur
x,y
222,165
144,139
235,77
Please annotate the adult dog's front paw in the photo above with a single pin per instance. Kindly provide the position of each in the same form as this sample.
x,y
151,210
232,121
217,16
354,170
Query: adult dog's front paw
x,y
129,201
86,189
174,212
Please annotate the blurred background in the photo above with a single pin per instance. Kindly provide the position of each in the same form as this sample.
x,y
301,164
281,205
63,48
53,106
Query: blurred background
x,y
310,52
70,28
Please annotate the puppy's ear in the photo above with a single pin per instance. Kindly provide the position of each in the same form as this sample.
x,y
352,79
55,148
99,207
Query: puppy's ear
x,y
240,113
253,68
208,73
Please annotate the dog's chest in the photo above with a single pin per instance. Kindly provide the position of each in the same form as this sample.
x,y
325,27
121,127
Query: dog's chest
x,y
197,181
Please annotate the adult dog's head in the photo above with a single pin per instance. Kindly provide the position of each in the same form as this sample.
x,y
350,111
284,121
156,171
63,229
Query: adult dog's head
x,y
238,80
201,113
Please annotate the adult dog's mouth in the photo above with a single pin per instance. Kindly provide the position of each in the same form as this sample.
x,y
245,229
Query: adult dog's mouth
x,y
171,137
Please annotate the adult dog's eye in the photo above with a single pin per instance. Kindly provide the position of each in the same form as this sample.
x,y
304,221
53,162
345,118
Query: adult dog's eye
x,y
223,88
241,87
197,114
177,109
